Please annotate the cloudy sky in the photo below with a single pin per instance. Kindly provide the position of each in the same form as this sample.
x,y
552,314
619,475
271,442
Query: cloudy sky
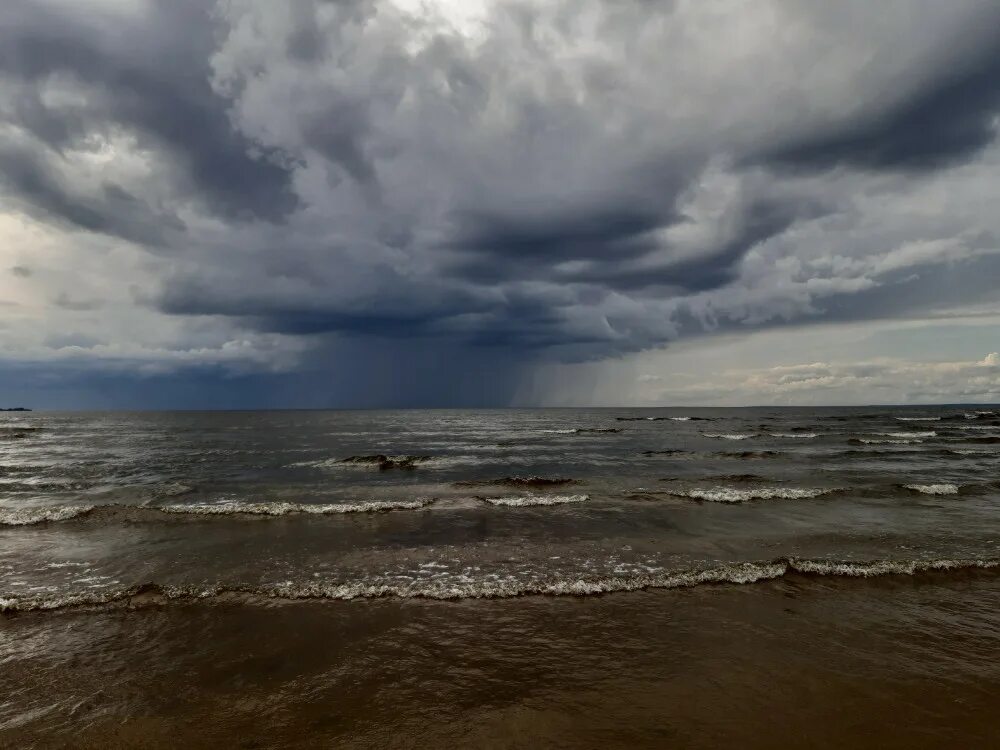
x,y
244,203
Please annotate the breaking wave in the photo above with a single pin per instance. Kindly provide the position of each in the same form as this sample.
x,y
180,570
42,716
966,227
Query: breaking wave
x,y
805,435
919,419
581,430
32,516
729,435
152,594
738,495
920,434
525,501
883,441
934,489
284,509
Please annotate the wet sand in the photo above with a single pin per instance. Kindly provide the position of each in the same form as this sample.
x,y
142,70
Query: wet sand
x,y
894,662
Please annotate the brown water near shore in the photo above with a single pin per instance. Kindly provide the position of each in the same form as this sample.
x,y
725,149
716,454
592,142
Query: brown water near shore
x,y
804,661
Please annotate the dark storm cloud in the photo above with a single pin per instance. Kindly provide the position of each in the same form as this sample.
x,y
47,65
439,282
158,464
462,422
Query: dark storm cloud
x,y
940,121
148,75
109,210
618,250
489,248
571,179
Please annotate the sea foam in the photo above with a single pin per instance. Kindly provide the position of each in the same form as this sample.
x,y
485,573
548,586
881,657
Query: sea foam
x,y
524,501
737,573
32,516
934,489
741,495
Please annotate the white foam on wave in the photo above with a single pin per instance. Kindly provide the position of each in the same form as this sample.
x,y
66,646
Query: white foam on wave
x,y
559,432
976,427
920,434
492,587
677,419
803,435
919,419
524,501
741,495
874,568
729,435
31,516
875,441
944,488
284,509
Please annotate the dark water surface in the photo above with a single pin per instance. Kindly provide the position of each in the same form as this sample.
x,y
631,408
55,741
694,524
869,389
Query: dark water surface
x,y
803,577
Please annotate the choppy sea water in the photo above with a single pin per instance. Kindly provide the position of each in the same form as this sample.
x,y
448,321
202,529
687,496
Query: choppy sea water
x,y
168,519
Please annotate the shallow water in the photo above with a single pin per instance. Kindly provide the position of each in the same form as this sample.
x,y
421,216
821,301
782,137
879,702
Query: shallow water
x,y
182,572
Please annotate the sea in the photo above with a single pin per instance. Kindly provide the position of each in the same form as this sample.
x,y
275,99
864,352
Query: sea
x,y
566,578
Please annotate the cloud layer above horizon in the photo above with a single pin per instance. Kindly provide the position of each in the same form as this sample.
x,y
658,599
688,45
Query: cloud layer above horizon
x,y
369,202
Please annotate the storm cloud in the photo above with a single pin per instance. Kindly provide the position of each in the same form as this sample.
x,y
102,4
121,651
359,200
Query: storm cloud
x,y
292,189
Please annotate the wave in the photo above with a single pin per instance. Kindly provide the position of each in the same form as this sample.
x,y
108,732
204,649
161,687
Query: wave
x,y
581,430
516,481
14,435
743,573
668,452
903,452
284,509
380,462
920,434
664,419
919,419
934,489
729,435
878,441
525,501
970,415
749,454
384,462
34,516
737,495
738,478
805,435
38,486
